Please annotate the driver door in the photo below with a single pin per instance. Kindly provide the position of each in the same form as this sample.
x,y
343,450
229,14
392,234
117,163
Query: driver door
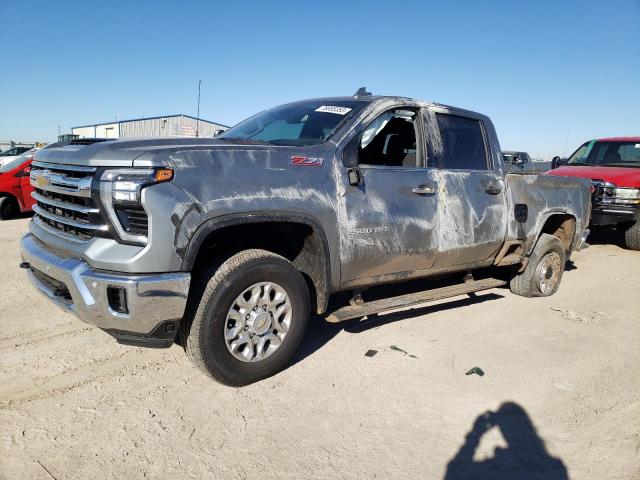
x,y
391,207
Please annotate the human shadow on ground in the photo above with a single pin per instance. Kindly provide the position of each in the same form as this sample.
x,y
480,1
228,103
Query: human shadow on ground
x,y
525,456
320,332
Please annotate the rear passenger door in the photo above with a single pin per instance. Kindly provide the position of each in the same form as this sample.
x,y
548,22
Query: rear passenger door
x,y
472,208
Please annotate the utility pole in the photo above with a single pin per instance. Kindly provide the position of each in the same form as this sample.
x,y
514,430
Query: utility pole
x,y
566,141
198,114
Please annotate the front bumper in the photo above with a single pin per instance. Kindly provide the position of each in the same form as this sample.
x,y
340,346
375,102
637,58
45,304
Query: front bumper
x,y
613,214
155,303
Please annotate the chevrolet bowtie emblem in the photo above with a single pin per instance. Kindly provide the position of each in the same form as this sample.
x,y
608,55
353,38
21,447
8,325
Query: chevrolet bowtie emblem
x,y
42,180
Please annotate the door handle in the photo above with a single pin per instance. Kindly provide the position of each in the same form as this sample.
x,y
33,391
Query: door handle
x,y
424,189
494,189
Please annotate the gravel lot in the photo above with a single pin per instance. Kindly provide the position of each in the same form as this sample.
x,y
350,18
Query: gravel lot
x,y
562,378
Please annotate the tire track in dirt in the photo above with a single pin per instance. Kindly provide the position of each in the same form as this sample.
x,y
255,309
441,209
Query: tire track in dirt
x,y
70,380
43,334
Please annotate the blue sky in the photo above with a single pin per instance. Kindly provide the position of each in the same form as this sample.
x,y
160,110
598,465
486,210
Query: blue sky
x,y
541,70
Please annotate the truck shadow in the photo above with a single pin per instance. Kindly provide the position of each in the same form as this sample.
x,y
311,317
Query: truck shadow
x,y
20,216
320,332
607,236
525,455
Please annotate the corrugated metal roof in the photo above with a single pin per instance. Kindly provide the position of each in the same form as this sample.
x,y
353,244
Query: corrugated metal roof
x,y
151,118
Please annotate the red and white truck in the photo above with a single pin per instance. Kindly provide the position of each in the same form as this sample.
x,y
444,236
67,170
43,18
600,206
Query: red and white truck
x,y
613,165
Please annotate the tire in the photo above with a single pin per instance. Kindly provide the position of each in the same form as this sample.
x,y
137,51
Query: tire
x,y
9,208
205,333
542,276
632,236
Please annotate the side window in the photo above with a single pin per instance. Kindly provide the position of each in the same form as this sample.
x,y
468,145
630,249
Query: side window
x,y
390,140
463,144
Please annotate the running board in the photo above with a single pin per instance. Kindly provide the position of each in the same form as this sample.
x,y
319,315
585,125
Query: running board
x,y
403,301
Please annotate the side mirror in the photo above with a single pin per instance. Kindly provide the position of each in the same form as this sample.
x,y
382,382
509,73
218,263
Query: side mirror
x,y
25,172
518,161
218,132
554,162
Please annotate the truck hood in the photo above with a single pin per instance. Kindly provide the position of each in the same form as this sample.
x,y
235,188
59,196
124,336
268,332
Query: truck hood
x,y
620,176
114,153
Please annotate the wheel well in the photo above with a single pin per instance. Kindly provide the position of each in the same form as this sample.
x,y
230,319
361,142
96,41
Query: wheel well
x,y
297,242
17,202
562,226
8,195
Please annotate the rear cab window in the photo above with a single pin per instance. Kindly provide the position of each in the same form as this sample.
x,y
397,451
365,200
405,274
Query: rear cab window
x,y
463,143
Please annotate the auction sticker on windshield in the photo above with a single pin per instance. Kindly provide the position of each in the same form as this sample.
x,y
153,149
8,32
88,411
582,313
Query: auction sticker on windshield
x,y
333,109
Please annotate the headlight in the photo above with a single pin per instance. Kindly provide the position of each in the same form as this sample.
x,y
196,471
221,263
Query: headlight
x,y
628,193
121,196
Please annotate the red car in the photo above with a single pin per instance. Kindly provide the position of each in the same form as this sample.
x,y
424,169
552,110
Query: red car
x,y
613,165
15,189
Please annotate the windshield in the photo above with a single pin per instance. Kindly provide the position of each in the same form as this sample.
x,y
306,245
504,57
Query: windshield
x,y
12,152
16,162
614,154
296,124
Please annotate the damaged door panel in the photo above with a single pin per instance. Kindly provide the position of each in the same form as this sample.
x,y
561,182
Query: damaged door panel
x,y
391,213
472,201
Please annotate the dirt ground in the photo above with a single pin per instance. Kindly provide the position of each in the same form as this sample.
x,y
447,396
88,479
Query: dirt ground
x,y
560,396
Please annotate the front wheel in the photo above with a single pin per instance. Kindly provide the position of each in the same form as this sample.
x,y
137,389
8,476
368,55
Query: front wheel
x,y
250,319
632,236
541,277
9,208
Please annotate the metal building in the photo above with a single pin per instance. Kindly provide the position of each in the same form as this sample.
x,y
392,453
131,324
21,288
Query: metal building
x,y
166,126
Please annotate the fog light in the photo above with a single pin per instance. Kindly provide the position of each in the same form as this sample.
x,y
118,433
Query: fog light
x,y
117,298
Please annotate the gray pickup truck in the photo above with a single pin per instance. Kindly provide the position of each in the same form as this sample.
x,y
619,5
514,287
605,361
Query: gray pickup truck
x,y
226,245
521,162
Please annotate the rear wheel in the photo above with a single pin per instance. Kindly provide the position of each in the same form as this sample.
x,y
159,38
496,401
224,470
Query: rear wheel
x,y
542,276
250,318
632,236
9,208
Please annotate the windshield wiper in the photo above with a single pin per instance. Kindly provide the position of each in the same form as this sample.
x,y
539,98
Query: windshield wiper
x,y
245,140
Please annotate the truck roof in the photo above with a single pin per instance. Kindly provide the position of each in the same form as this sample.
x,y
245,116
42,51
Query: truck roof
x,y
619,139
381,98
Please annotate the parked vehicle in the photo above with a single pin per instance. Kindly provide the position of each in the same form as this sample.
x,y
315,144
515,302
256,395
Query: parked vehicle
x,y
520,162
15,188
613,166
225,245
10,154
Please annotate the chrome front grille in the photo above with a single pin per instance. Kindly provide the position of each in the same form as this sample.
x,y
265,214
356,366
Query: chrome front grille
x,y
63,200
